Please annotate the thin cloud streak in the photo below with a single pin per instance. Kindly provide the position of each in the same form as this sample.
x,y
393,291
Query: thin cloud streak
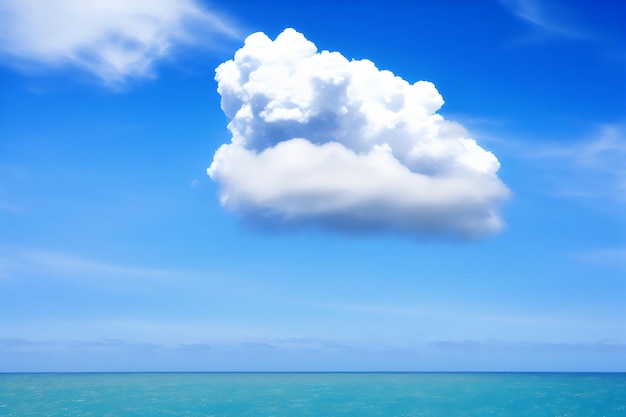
x,y
589,167
20,264
547,20
65,262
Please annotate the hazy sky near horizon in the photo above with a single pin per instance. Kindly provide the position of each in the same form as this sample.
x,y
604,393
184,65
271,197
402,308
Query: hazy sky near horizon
x,y
312,186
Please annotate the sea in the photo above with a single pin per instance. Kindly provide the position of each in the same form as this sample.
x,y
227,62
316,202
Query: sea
x,y
314,394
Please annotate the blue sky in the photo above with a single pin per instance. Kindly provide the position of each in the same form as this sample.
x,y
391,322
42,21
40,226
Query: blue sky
x,y
392,240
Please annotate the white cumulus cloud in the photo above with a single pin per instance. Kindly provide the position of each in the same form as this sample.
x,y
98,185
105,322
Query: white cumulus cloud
x,y
319,139
114,39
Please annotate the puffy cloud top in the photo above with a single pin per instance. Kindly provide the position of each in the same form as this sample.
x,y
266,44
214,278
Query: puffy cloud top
x,y
114,39
318,139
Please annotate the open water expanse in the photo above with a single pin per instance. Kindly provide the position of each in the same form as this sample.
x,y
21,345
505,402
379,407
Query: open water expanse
x,y
314,394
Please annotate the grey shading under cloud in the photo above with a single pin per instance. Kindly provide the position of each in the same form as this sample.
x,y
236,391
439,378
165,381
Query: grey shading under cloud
x,y
320,140
113,39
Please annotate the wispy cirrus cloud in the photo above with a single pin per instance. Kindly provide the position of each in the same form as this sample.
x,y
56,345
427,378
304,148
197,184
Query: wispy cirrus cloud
x,y
555,21
590,166
596,163
548,19
115,39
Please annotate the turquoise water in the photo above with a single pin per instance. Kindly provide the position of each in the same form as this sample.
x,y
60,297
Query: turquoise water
x,y
313,394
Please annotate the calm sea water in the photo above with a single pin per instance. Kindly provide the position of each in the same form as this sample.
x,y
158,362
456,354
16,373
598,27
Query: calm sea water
x,y
313,394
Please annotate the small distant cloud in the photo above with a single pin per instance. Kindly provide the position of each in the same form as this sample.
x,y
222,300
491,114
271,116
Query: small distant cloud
x,y
256,345
111,344
196,347
113,39
320,140
15,343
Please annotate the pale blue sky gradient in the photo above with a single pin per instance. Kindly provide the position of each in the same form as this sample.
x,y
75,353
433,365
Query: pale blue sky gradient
x,y
116,255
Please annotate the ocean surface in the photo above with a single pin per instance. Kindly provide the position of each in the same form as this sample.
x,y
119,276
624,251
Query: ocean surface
x,y
313,394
